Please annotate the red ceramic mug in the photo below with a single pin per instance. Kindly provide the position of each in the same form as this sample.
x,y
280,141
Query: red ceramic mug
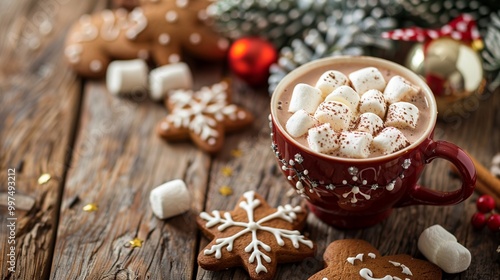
x,y
357,193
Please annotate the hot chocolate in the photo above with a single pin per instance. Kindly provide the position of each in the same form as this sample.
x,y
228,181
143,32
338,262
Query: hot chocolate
x,y
353,110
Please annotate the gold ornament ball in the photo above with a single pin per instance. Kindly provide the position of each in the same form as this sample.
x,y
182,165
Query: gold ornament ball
x,y
454,72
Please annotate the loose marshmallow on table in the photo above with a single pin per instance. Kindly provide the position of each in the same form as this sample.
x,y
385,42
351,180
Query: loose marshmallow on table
x,y
390,140
169,77
367,78
299,123
355,144
170,199
330,80
127,76
373,101
322,139
346,95
402,115
370,123
337,114
305,97
441,248
399,89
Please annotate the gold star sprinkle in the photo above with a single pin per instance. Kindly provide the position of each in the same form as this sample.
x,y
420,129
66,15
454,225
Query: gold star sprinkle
x,y
227,171
91,207
226,190
477,45
44,179
236,153
136,242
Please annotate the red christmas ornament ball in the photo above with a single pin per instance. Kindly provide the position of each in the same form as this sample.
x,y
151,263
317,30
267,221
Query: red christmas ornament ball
x,y
250,59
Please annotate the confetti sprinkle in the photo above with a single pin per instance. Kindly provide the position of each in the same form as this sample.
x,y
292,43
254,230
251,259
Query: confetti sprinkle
x,y
91,207
226,190
44,179
136,243
227,171
236,153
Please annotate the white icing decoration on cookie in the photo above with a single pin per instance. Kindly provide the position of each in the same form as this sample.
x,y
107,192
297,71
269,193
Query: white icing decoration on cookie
x,y
242,115
173,58
95,65
73,53
200,111
357,257
202,15
406,270
143,54
367,274
111,25
171,16
195,38
164,39
181,3
138,21
88,30
164,126
287,213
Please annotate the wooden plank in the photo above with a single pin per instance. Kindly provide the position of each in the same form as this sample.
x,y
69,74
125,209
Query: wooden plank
x,y
119,161
38,111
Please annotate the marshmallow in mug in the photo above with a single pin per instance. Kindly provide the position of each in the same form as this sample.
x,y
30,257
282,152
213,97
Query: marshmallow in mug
x,y
399,89
390,140
337,114
441,248
370,123
373,101
346,95
323,139
305,97
331,80
402,115
170,199
299,123
355,144
367,78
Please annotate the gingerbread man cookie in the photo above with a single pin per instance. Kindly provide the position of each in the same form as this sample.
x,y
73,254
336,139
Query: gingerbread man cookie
x,y
204,116
358,259
255,236
160,30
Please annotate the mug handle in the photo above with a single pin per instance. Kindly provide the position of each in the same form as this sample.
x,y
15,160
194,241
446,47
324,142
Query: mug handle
x,y
465,167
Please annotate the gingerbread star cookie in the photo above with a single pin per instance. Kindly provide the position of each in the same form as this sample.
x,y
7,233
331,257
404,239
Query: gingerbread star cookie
x,y
156,29
358,259
204,116
254,236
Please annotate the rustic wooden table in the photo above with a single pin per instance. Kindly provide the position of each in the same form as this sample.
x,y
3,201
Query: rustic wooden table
x,y
102,149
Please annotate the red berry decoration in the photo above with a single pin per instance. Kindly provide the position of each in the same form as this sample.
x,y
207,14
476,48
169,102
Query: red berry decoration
x,y
478,220
494,222
250,59
485,203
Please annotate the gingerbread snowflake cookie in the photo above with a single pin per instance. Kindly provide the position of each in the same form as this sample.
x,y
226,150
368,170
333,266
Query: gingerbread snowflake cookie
x,y
358,259
204,116
159,29
255,236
